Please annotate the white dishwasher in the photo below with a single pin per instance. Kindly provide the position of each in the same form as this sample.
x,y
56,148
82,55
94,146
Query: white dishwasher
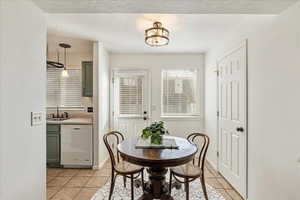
x,y
76,145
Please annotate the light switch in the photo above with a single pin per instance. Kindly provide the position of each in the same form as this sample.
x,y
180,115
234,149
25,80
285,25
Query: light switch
x,y
36,118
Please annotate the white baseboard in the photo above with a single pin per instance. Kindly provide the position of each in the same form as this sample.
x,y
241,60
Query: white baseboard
x,y
216,168
95,167
212,164
100,164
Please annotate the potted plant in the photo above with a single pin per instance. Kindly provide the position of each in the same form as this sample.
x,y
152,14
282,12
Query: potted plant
x,y
154,132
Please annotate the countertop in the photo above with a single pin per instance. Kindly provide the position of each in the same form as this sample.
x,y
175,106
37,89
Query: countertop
x,y
75,121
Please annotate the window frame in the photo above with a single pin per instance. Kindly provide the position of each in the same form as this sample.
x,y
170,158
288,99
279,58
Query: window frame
x,y
199,95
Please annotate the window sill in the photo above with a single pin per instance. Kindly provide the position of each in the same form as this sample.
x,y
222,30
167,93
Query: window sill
x,y
67,108
195,117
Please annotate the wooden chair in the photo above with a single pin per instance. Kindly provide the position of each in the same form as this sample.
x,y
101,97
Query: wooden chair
x,y
189,172
118,166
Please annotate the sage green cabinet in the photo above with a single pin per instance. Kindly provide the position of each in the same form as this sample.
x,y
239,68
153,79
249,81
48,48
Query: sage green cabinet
x,y
87,78
53,144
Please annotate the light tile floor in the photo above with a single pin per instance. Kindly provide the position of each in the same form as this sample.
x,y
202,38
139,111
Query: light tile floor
x,y
82,184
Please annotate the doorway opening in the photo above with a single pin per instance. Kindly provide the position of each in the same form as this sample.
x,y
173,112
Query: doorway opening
x,y
130,101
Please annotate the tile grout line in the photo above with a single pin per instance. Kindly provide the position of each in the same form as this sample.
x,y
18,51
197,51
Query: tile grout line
x,y
56,191
62,186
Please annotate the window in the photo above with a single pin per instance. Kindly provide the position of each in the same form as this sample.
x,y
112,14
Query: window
x,y
53,87
64,91
180,93
130,93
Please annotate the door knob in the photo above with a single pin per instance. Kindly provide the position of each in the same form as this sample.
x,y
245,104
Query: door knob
x,y
145,115
240,129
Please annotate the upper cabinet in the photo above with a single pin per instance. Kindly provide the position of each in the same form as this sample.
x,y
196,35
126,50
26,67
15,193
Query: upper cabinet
x,y
87,78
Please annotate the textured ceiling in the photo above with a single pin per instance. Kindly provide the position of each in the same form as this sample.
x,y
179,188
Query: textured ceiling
x,y
166,6
125,32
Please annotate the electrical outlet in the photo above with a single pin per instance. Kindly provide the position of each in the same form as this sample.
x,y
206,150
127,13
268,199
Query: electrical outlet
x,y
36,118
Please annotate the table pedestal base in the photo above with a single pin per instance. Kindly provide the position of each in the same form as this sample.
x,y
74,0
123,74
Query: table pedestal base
x,y
149,197
156,188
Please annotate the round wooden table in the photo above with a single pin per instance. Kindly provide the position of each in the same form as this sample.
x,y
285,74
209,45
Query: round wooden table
x,y
157,161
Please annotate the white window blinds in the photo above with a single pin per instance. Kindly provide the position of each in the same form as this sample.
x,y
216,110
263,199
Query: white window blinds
x,y
64,91
53,87
131,96
180,93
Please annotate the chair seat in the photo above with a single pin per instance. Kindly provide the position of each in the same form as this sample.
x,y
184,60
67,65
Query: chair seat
x,y
124,167
188,170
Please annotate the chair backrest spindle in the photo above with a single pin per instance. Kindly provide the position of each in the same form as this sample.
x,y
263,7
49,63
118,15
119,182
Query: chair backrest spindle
x,y
119,138
203,149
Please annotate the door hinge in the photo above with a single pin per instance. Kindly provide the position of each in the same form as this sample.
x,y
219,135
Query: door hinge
x,y
218,113
113,113
218,154
113,80
218,72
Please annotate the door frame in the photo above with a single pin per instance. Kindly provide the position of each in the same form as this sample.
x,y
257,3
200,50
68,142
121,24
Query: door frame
x,y
112,90
235,48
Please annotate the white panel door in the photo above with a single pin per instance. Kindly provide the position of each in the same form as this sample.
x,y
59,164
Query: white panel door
x,y
130,102
232,118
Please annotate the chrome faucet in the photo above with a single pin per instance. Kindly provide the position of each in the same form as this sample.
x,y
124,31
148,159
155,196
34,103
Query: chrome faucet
x,y
57,116
57,112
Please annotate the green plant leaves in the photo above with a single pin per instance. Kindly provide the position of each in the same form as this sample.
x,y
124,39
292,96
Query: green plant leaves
x,y
146,133
156,138
155,132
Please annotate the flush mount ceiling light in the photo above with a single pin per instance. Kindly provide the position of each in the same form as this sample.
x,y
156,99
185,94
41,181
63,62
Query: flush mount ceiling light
x,y
157,35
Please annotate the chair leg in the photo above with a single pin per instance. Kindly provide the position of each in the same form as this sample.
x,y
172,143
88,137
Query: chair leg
x,y
112,185
143,184
124,180
187,189
170,183
132,192
202,179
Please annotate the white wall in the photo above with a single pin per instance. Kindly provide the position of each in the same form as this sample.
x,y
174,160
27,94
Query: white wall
x,y
274,123
101,102
22,90
154,63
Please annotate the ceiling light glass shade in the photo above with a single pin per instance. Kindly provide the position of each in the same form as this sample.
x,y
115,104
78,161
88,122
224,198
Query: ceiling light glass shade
x,y
65,73
157,36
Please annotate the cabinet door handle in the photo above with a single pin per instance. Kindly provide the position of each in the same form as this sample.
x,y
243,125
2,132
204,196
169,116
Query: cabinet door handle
x,y
76,128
